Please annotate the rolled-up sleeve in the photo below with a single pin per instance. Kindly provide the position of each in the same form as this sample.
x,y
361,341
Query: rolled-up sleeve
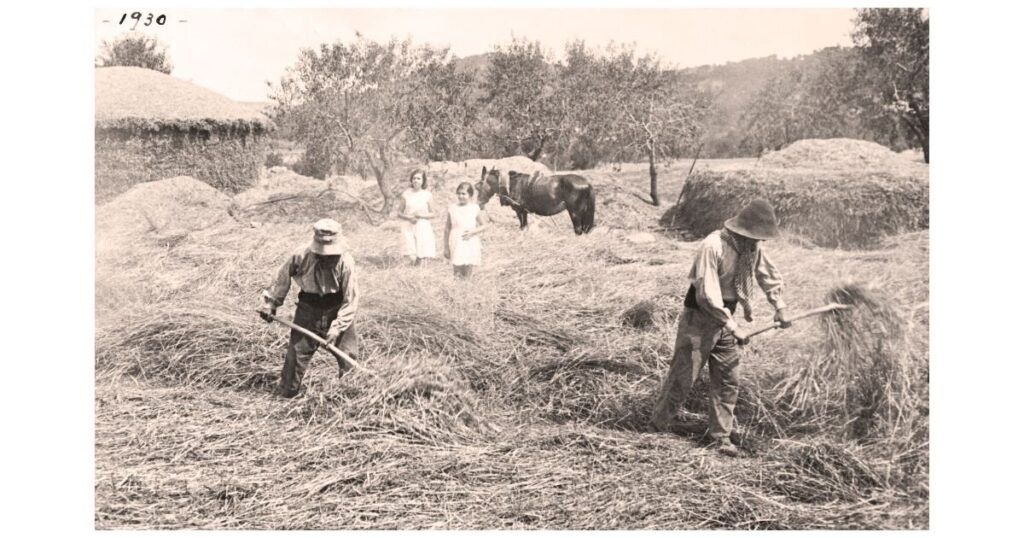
x,y
708,286
770,279
278,290
350,300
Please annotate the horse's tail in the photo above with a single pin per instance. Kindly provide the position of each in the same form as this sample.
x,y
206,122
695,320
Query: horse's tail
x,y
588,206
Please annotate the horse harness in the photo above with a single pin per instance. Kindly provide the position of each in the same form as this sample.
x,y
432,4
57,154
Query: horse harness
x,y
513,192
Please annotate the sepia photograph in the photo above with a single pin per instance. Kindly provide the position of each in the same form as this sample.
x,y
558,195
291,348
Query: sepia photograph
x,y
499,268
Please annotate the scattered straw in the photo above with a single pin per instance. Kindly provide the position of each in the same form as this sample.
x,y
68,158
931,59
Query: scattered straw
x,y
512,400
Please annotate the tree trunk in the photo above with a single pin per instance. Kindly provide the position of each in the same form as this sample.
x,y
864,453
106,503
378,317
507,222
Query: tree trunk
x,y
380,172
654,176
916,121
920,121
385,190
538,151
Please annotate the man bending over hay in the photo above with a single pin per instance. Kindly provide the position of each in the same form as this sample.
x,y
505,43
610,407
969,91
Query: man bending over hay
x,y
328,299
723,273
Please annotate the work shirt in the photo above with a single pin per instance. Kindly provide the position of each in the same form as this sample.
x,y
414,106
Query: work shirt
x,y
712,277
312,276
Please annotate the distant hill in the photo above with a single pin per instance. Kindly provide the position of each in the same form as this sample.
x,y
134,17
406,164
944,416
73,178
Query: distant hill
x,y
735,84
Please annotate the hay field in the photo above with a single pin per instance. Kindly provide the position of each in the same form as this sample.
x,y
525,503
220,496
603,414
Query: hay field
x,y
516,400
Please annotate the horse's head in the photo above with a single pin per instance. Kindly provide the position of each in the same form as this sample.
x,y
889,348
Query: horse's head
x,y
487,186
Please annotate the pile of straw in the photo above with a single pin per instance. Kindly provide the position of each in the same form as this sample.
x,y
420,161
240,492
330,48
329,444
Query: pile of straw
x,y
839,154
834,193
864,382
515,399
176,204
831,208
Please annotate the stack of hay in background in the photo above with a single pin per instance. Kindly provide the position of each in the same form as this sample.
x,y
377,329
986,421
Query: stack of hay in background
x,y
151,126
835,193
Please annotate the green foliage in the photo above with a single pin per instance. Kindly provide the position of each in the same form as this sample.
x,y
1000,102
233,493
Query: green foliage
x,y
273,159
521,95
876,91
895,44
826,95
135,50
312,164
367,104
654,115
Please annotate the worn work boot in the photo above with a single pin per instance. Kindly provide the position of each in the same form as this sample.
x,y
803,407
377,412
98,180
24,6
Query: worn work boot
x,y
726,448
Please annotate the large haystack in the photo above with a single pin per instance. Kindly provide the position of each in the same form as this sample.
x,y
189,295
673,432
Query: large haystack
x,y
845,154
836,193
151,126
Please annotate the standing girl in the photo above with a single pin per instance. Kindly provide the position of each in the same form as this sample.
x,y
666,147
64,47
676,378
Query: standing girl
x,y
415,209
465,223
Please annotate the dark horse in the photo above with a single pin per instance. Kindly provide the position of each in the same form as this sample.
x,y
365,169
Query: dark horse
x,y
541,195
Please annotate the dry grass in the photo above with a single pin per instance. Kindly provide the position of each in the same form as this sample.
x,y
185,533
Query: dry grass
x,y
849,209
834,193
514,400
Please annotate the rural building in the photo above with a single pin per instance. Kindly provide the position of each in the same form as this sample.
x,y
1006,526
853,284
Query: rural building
x,y
152,126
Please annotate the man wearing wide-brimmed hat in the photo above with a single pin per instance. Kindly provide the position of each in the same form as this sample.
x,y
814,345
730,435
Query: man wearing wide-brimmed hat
x,y
328,298
727,263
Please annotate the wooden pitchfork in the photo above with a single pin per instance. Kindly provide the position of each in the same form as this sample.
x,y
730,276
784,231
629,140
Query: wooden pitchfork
x,y
334,350
820,310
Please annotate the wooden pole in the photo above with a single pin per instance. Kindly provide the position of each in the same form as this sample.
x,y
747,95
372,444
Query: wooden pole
x,y
820,310
337,352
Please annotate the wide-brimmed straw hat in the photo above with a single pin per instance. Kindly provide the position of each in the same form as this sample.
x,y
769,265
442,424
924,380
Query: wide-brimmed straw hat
x,y
756,221
327,238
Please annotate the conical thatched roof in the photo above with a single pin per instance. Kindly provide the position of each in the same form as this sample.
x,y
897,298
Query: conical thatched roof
x,y
137,98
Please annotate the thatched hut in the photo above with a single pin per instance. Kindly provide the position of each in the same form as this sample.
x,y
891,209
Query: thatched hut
x,y
151,126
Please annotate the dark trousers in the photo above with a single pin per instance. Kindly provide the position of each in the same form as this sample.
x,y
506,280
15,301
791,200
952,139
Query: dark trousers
x,y
301,347
700,339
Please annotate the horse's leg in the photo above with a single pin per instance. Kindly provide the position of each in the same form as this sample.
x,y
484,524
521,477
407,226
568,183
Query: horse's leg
x,y
577,221
587,215
523,225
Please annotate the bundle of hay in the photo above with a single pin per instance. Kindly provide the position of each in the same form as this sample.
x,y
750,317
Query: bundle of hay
x,y
863,383
285,196
151,126
165,210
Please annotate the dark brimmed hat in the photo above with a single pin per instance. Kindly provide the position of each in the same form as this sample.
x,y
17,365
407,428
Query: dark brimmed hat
x,y
756,221
327,238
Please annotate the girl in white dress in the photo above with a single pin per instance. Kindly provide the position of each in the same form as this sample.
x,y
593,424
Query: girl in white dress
x,y
466,221
415,209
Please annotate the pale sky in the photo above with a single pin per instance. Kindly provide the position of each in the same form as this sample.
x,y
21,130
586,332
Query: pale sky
x,y
235,51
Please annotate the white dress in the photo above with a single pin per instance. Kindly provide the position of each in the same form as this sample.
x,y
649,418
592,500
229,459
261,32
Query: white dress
x,y
464,251
418,238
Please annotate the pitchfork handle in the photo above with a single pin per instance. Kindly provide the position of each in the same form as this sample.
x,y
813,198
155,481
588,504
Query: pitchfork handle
x,y
337,352
820,310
